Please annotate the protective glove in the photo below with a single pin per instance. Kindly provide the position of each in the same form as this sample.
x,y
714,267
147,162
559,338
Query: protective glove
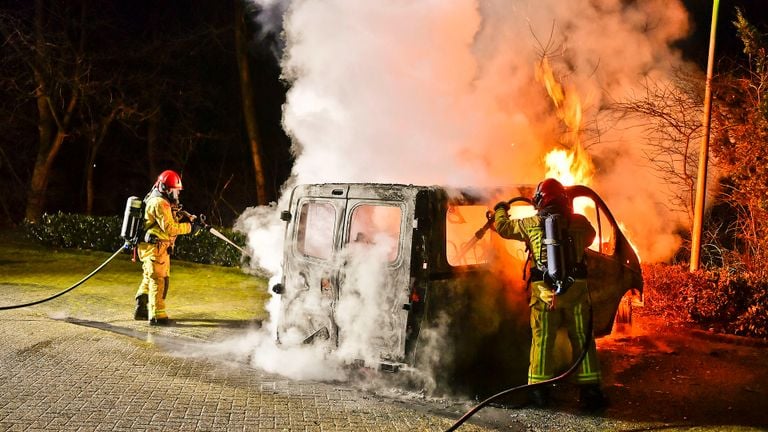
x,y
184,216
501,204
199,224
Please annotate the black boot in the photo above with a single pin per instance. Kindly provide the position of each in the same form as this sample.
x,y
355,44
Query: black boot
x,y
141,312
160,322
591,397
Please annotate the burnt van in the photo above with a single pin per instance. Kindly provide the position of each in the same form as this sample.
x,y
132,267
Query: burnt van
x,y
394,276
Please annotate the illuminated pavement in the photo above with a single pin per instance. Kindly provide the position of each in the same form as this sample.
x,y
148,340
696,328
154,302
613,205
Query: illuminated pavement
x,y
100,370
80,363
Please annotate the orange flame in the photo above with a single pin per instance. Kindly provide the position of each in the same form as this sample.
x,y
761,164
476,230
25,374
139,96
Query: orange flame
x,y
624,230
572,164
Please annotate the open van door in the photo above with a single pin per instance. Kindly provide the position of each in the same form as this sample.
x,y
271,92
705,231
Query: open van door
x,y
613,266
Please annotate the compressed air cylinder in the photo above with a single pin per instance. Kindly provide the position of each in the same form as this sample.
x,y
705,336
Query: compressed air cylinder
x,y
555,251
133,218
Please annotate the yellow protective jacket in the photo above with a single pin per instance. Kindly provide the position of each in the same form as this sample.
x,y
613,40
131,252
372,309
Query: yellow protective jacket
x,y
160,220
531,231
570,310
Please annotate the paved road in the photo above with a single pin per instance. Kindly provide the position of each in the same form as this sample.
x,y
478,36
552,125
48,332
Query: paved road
x,y
79,363
90,371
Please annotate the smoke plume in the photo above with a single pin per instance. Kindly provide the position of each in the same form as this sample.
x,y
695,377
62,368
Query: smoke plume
x,y
435,92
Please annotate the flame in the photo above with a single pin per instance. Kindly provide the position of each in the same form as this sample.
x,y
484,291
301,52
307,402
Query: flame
x,y
624,230
572,164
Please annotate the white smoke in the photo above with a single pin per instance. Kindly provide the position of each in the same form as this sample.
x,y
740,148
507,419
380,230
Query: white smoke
x,y
265,236
259,349
436,92
443,92
359,313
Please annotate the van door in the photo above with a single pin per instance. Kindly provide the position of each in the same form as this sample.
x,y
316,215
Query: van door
x,y
310,275
375,275
613,265
346,269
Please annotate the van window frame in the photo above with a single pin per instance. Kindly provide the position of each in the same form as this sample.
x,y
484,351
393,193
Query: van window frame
x,y
359,202
297,245
605,228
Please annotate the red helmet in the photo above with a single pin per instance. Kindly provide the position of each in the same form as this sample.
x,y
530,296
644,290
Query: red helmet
x,y
550,193
168,180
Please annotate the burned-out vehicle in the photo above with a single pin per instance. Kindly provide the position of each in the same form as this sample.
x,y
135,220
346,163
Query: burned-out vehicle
x,y
401,276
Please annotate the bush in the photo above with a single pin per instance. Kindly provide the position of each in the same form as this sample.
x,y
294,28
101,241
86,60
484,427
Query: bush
x,y
75,231
205,248
725,301
102,233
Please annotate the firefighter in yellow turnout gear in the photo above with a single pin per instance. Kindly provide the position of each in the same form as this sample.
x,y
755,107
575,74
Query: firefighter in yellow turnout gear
x,y
550,312
161,226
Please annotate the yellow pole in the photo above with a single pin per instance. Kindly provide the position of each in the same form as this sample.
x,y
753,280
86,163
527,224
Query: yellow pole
x,y
701,179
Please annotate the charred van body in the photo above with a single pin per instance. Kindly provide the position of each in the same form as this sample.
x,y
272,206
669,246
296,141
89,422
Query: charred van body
x,y
393,276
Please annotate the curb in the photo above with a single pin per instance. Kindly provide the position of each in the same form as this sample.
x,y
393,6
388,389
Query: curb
x,y
730,339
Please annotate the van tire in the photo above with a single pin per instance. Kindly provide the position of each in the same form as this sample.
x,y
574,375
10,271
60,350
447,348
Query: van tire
x,y
624,312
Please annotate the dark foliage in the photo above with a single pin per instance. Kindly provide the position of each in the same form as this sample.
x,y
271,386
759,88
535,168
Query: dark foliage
x,y
102,233
157,89
728,302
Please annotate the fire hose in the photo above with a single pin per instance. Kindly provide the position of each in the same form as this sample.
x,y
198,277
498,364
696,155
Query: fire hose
x,y
102,265
531,386
96,270
479,235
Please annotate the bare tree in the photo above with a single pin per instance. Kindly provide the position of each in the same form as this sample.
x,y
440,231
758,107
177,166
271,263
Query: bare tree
x,y
248,102
97,121
670,114
139,98
56,103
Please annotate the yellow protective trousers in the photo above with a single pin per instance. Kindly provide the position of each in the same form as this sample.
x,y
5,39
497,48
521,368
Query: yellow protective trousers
x,y
569,310
156,270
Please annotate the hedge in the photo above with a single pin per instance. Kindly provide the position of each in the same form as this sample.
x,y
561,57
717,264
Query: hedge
x,y
102,233
723,300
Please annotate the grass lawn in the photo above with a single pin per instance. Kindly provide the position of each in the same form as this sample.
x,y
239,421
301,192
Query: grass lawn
x,y
30,271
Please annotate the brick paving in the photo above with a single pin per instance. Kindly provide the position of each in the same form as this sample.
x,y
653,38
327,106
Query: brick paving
x,y
76,364
81,363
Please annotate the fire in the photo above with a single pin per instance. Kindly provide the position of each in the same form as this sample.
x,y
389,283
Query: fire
x,y
624,229
567,103
572,164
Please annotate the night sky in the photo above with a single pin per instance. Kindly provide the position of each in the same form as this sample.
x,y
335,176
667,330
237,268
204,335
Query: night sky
x,y
178,59
727,44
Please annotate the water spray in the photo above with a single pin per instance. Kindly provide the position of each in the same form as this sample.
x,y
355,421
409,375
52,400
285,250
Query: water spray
x,y
216,233
204,223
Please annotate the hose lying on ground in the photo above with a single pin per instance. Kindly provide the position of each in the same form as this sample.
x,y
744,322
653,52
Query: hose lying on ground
x,y
68,289
560,377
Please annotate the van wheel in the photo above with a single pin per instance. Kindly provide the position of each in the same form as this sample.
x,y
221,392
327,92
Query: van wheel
x,y
624,313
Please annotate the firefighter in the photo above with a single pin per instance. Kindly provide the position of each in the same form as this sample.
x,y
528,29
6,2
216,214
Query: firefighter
x,y
549,312
162,223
